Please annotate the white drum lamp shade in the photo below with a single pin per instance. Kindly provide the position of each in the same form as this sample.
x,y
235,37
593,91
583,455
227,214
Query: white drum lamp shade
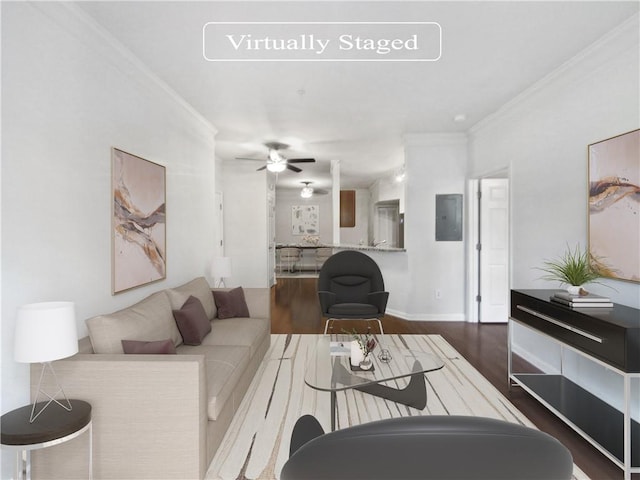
x,y
45,332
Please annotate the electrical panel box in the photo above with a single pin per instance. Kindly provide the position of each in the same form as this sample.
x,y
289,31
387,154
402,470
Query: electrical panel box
x,y
449,217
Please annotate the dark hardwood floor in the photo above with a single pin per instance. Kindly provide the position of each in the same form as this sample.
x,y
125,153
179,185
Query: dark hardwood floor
x,y
295,309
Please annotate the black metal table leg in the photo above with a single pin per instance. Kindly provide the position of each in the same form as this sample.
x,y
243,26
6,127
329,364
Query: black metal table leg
x,y
413,395
333,411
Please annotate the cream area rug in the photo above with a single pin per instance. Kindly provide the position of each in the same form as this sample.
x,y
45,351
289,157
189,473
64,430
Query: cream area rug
x,y
256,445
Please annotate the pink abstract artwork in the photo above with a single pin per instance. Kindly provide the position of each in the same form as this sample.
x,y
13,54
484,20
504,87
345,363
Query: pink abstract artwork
x,y
614,205
139,221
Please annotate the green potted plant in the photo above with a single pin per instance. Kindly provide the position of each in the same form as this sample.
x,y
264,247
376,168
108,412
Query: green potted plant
x,y
575,268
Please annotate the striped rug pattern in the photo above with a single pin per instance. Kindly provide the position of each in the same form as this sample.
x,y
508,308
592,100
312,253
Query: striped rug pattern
x,y
256,445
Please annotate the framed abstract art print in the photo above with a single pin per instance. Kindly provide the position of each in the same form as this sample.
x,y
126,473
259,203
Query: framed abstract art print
x,y
614,205
138,221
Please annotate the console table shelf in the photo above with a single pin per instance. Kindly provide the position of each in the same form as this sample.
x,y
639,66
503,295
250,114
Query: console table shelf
x,y
609,337
597,419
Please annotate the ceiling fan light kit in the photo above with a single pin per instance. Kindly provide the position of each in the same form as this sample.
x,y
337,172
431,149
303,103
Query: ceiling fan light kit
x,y
276,163
307,191
276,167
274,156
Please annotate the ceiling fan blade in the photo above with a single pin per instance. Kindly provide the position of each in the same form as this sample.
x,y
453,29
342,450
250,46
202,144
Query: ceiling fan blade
x,y
252,159
261,168
301,160
295,169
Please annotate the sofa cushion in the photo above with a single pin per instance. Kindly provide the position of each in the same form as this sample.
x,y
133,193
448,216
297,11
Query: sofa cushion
x,y
248,332
157,347
199,288
231,303
148,320
224,366
192,321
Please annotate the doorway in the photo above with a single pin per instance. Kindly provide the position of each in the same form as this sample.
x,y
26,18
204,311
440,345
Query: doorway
x,y
387,223
489,278
218,238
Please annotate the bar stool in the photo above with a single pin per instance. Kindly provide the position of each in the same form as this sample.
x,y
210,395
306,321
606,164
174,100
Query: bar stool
x,y
322,254
289,256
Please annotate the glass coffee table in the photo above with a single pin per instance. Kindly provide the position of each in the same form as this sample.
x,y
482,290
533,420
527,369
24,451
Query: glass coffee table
x,y
332,373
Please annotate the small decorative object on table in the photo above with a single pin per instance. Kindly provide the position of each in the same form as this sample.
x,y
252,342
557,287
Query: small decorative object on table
x,y
339,349
361,349
385,355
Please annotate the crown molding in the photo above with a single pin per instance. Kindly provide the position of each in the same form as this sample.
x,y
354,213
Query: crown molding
x,y
434,139
593,58
89,33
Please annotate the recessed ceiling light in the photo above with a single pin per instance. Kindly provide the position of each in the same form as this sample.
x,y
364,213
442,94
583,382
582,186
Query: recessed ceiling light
x,y
460,117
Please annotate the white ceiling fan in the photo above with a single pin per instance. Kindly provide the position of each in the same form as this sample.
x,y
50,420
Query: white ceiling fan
x,y
276,162
308,192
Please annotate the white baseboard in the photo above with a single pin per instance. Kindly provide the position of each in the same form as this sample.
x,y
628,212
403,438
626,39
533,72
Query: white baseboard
x,y
428,317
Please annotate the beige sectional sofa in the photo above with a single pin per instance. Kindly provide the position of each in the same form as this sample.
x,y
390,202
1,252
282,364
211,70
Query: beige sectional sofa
x,y
158,416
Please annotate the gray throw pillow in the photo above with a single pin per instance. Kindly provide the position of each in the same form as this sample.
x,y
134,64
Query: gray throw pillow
x,y
192,321
231,303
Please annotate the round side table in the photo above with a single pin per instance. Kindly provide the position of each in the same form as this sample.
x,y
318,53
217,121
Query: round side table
x,y
54,426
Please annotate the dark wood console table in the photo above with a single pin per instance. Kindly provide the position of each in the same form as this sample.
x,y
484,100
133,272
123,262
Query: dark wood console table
x,y
609,337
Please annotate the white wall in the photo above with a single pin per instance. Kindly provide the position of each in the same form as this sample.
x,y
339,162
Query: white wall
x,y
542,137
68,96
436,164
246,223
285,199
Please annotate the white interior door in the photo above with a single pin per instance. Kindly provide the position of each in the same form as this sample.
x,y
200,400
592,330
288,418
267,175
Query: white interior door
x,y
218,248
271,238
494,250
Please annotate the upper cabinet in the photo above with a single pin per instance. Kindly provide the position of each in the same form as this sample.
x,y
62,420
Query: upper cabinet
x,y
347,208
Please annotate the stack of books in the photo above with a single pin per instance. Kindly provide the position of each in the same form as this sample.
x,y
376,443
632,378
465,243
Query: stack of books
x,y
340,349
589,300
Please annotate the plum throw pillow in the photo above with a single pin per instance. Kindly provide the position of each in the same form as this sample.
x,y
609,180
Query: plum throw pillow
x,y
155,347
231,303
192,321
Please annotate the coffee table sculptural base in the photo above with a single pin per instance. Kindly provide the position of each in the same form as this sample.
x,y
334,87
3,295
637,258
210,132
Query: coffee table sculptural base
x,y
332,373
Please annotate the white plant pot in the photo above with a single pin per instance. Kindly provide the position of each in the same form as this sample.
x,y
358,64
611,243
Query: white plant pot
x,y
356,354
574,289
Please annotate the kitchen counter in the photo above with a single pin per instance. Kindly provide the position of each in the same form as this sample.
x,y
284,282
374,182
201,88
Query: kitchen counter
x,y
370,248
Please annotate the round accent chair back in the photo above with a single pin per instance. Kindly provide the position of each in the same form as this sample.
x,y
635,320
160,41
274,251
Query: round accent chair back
x,y
351,275
422,447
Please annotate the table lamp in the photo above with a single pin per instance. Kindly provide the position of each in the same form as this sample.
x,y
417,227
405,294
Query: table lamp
x,y
46,332
221,268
